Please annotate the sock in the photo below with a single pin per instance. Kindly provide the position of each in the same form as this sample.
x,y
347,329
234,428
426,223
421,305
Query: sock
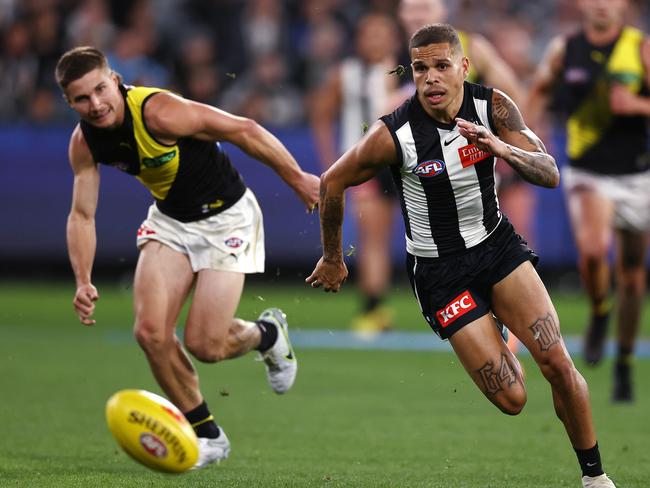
x,y
603,308
624,355
372,302
589,460
269,333
202,422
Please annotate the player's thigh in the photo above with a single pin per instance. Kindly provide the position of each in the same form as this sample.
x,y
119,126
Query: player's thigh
x,y
487,359
215,301
592,216
163,279
522,302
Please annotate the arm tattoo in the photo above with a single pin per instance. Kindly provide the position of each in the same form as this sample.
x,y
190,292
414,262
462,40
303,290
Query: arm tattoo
x,y
546,332
505,114
534,164
493,378
331,218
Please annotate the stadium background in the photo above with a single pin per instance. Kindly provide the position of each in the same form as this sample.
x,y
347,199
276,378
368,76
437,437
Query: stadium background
x,y
260,58
378,410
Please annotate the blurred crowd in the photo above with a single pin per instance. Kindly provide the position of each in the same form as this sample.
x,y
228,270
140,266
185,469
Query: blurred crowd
x,y
258,58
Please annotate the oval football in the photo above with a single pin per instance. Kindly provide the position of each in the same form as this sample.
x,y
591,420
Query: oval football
x,y
152,430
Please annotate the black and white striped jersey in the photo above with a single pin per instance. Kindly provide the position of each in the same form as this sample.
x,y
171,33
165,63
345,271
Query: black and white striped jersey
x,y
446,185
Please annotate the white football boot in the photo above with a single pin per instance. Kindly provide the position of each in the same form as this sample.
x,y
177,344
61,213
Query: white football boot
x,y
280,360
601,481
212,450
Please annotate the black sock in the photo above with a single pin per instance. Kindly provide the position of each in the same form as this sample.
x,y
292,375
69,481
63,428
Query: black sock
x,y
202,422
372,302
589,460
269,334
624,355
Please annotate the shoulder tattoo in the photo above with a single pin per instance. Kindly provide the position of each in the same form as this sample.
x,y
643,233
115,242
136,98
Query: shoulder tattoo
x,y
505,113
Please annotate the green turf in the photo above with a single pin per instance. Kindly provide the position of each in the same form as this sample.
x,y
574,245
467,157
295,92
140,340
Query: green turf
x,y
354,418
51,303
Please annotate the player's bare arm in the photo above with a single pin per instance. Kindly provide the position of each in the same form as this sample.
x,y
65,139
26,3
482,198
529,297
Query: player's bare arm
x,y
516,143
622,101
80,231
492,69
545,77
325,105
363,161
170,117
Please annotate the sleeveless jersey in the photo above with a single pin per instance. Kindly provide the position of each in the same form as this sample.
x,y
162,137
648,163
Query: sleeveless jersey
x,y
597,140
190,179
446,185
364,98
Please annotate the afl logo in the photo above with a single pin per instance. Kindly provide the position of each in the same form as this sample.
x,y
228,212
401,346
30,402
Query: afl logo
x,y
153,445
234,242
428,169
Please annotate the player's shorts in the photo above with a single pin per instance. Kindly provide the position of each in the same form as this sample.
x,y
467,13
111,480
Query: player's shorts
x,y
381,185
630,194
232,240
456,290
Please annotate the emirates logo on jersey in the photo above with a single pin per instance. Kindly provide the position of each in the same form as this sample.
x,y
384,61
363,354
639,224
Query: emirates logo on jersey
x,y
429,169
471,154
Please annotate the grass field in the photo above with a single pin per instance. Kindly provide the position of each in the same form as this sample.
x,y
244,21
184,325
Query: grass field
x,y
354,418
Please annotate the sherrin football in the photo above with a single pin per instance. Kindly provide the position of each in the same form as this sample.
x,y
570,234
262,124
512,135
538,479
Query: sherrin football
x,y
152,430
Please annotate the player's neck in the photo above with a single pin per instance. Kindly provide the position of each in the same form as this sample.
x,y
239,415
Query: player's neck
x,y
601,37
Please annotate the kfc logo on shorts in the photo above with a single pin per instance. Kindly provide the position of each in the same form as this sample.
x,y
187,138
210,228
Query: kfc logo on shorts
x,y
471,154
458,307
429,169
234,242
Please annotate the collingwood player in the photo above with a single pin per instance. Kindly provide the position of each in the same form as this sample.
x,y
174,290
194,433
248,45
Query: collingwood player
x,y
464,259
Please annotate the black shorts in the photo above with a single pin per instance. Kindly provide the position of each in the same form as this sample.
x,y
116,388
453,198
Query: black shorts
x,y
456,290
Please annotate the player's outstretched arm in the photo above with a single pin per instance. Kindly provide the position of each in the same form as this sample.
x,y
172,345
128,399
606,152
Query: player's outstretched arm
x,y
170,117
80,231
516,143
363,161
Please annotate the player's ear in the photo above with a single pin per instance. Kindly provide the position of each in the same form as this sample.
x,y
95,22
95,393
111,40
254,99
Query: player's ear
x,y
465,62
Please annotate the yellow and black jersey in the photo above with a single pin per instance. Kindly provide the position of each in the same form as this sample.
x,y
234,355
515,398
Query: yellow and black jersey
x,y
190,180
597,140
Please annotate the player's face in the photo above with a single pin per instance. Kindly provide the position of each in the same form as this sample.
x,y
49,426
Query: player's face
x,y
439,73
414,14
602,14
97,99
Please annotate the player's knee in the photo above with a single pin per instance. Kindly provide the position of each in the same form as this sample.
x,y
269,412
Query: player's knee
x,y
149,335
513,401
559,370
206,350
594,252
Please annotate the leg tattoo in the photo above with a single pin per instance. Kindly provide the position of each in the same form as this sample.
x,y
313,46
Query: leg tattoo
x,y
493,377
546,332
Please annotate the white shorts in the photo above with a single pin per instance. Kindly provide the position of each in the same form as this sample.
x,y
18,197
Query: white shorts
x,y
232,240
630,194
